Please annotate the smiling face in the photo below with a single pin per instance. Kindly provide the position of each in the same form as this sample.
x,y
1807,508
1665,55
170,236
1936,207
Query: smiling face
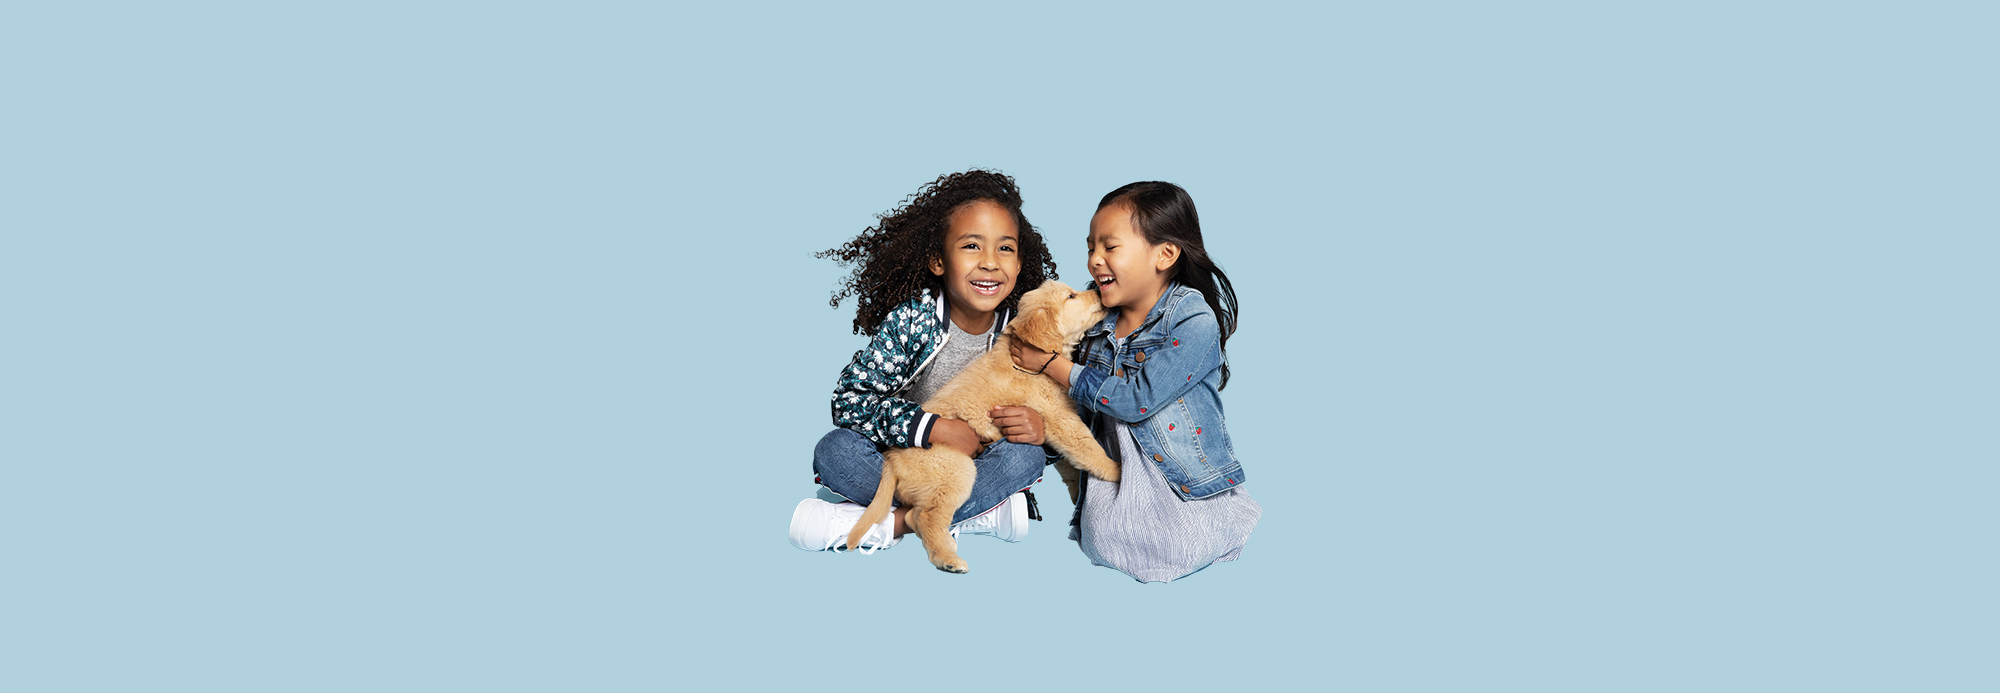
x,y
1130,272
980,260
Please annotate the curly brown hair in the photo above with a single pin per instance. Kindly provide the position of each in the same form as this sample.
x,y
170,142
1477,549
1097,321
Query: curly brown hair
x,y
892,259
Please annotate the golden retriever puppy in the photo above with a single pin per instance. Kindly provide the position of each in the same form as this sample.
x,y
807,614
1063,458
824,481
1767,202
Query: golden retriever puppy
x,y
935,481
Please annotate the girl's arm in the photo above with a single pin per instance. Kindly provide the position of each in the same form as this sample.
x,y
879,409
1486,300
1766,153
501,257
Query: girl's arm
x,y
864,400
1031,359
1149,379
956,435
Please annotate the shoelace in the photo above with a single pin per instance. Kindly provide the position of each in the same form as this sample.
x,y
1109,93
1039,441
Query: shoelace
x,y
836,542
871,541
975,524
874,539
989,523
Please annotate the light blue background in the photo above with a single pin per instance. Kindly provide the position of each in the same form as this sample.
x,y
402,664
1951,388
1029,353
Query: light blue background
x,y
480,346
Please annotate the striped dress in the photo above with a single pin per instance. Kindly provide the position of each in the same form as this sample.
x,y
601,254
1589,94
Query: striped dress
x,y
1138,527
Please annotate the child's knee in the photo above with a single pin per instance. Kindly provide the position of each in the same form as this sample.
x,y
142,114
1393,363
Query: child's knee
x,y
843,452
1015,460
839,441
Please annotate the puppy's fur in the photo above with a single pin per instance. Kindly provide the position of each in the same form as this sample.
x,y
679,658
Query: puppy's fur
x,y
935,481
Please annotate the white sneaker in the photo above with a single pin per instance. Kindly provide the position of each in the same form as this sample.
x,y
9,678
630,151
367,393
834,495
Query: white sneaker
x,y
821,526
1009,521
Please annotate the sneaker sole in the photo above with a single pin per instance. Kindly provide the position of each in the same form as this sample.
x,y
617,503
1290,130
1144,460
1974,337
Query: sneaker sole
x,y
1019,518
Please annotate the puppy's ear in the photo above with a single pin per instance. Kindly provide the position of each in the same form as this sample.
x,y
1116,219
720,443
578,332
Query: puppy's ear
x,y
1038,325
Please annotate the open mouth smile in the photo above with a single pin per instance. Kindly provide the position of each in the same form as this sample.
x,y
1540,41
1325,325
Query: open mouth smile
x,y
986,287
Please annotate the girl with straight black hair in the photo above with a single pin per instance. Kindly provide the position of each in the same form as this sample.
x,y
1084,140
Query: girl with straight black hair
x,y
1147,381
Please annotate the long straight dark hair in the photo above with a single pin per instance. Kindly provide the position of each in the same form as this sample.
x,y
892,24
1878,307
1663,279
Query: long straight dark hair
x,y
1165,214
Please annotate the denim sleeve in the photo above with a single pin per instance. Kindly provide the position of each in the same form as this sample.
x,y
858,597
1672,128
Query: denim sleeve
x,y
1084,382
864,402
1192,349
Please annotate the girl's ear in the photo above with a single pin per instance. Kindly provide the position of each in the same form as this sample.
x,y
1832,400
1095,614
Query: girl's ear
x,y
1165,255
1037,324
937,266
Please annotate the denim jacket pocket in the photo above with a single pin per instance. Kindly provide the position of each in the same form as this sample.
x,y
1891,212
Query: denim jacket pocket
x,y
1146,347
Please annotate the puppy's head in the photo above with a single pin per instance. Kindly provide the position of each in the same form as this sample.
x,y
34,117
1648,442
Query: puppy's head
x,y
1054,316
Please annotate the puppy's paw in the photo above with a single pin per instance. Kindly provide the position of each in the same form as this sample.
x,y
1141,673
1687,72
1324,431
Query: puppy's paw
x,y
955,565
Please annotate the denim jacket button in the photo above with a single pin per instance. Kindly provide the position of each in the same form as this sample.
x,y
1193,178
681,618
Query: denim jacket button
x,y
1185,489
1157,458
1140,357
1120,373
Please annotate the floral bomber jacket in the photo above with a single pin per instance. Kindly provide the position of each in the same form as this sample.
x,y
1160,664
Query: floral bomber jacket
x,y
867,399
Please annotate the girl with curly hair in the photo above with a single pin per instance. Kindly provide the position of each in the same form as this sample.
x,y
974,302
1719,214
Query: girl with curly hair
x,y
934,283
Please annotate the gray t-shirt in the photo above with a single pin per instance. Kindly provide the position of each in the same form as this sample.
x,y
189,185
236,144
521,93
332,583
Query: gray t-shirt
x,y
958,352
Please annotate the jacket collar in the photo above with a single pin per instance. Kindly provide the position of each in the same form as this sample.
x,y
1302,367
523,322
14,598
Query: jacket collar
x,y
943,310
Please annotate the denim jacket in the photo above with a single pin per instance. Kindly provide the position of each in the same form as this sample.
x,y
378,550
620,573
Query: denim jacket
x,y
868,399
1164,384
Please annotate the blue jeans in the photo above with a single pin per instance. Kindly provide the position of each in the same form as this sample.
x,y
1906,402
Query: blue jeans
x,y
849,465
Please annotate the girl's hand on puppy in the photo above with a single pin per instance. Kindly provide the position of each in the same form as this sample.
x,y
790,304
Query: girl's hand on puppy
x,y
956,435
1033,360
1020,424
1027,356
